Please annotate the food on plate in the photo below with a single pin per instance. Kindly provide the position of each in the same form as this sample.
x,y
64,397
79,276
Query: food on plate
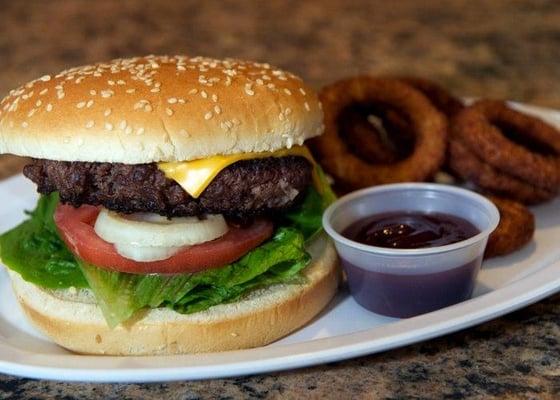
x,y
338,157
467,166
410,230
515,230
379,134
521,150
180,210
443,100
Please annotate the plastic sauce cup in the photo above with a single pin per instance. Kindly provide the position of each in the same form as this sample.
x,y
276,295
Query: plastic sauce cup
x,y
407,282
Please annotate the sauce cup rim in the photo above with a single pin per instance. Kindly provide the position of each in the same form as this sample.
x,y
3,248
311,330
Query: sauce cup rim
x,y
481,200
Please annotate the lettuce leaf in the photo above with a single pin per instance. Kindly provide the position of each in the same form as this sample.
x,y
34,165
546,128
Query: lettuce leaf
x,y
36,252
34,249
121,295
308,216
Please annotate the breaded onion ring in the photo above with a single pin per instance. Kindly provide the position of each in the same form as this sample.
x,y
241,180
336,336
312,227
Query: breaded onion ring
x,y
467,166
477,128
440,98
515,230
389,138
427,124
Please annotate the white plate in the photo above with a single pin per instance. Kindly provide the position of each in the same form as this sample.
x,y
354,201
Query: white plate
x,y
343,331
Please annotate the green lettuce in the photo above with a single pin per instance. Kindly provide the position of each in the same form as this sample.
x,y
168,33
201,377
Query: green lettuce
x,y
35,250
120,295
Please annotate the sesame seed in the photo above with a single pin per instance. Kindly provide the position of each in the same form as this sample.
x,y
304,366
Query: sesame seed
x,y
111,82
24,124
155,90
181,101
204,94
193,91
214,98
45,78
148,108
128,130
208,115
49,107
302,91
81,104
288,111
169,111
181,68
281,116
248,90
31,112
172,100
107,112
217,109
90,124
93,92
123,125
288,92
43,92
106,93
130,91
140,131
89,103
271,86
60,95
38,103
108,126
260,82
306,105
121,82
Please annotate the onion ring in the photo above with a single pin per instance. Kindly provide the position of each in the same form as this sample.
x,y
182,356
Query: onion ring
x,y
467,166
389,138
476,128
515,230
440,98
428,125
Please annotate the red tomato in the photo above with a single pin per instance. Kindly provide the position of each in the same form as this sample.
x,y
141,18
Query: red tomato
x,y
76,228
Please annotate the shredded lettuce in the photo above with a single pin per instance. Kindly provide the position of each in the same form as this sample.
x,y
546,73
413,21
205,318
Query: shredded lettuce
x,y
34,250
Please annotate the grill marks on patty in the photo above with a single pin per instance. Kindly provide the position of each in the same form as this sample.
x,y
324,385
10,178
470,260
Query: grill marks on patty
x,y
244,189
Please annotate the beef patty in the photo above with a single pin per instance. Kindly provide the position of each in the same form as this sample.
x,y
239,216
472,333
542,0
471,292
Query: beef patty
x,y
244,189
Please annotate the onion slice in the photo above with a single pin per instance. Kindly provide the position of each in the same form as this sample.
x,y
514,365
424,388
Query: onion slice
x,y
151,230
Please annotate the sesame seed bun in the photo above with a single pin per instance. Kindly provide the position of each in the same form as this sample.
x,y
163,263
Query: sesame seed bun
x,y
74,321
158,108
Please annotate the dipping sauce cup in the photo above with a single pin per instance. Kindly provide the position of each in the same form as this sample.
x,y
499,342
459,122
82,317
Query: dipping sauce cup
x,y
407,282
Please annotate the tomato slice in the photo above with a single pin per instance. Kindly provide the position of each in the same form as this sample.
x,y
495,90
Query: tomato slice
x,y
76,228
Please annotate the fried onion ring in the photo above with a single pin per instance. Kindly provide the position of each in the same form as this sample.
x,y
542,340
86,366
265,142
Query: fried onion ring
x,y
467,166
515,230
381,135
428,125
440,98
478,129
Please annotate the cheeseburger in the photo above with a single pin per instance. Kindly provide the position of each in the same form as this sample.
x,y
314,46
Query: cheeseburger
x,y
179,212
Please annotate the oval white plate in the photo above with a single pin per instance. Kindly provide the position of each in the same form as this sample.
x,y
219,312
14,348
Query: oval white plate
x,y
343,331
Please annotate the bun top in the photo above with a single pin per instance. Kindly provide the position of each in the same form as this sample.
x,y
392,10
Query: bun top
x,y
158,108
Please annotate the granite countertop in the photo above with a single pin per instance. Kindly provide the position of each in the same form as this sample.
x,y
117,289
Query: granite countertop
x,y
494,49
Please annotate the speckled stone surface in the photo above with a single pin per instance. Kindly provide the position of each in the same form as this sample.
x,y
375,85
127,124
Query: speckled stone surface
x,y
503,49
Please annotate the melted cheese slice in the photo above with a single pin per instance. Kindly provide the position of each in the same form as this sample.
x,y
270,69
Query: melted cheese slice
x,y
195,176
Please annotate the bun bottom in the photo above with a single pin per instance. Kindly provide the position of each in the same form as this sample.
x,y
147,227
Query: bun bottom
x,y
75,322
